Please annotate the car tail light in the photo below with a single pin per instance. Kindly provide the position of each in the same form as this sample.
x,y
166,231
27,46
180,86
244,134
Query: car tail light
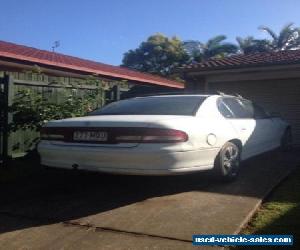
x,y
56,134
150,135
117,134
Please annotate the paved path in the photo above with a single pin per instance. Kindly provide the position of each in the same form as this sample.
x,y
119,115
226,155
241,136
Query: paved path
x,y
62,210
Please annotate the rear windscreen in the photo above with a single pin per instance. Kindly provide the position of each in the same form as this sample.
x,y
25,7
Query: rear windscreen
x,y
155,105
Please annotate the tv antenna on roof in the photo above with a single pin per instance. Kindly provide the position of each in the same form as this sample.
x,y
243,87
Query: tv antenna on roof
x,y
56,44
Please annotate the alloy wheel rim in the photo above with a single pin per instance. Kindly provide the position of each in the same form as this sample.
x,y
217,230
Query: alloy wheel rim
x,y
230,159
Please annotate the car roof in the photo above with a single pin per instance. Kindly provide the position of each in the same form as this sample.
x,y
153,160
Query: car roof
x,y
194,95
168,95
171,95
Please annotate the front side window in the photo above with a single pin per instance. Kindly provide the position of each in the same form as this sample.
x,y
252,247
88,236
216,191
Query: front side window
x,y
154,105
248,106
259,112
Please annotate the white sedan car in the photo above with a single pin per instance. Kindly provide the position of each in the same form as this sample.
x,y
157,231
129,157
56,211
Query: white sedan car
x,y
164,135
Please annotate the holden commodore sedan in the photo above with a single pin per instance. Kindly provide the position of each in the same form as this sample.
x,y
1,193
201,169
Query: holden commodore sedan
x,y
164,135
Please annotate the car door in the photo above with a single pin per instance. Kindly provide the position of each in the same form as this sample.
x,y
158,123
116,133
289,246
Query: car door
x,y
267,128
244,123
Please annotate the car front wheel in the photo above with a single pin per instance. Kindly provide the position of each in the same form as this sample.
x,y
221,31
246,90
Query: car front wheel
x,y
227,163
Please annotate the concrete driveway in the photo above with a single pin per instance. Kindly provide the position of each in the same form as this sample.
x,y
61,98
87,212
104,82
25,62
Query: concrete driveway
x,y
67,210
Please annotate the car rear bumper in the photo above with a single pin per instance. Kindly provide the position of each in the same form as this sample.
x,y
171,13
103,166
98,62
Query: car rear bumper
x,y
133,161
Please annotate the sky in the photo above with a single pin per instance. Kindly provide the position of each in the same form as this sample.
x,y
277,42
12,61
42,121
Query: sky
x,y
104,30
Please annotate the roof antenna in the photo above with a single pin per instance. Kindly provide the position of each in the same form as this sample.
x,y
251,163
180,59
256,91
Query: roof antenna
x,y
238,95
56,44
220,93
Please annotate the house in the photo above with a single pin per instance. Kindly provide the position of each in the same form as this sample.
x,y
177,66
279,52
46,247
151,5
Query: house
x,y
18,58
271,79
53,74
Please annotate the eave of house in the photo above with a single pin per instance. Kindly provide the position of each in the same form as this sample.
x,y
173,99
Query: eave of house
x,y
196,72
251,73
80,70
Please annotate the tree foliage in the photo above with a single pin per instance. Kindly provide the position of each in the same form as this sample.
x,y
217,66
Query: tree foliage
x,y
215,47
287,39
158,55
249,45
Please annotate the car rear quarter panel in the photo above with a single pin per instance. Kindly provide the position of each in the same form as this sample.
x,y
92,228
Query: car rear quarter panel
x,y
198,128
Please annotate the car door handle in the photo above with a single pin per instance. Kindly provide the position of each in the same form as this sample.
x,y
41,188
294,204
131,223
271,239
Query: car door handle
x,y
243,129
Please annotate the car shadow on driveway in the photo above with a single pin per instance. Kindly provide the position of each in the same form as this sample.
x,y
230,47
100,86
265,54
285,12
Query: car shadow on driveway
x,y
53,196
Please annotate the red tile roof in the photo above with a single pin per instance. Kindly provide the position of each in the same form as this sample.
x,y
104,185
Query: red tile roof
x,y
37,56
246,61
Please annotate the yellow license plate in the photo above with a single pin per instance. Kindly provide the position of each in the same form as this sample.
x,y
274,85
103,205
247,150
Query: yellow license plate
x,y
90,136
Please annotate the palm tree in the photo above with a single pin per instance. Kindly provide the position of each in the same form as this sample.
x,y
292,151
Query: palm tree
x,y
249,45
213,48
287,39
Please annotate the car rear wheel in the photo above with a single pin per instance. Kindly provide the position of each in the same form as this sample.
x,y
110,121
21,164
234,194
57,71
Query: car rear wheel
x,y
227,163
286,140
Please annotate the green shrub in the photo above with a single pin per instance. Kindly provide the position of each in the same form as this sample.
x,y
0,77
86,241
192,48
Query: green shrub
x,y
31,109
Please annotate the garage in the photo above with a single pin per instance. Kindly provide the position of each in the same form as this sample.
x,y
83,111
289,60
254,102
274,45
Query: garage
x,y
271,79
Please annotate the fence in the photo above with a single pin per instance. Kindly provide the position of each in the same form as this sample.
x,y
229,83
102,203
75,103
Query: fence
x,y
4,83
20,142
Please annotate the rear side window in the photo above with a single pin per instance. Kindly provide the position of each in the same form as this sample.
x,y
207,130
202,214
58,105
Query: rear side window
x,y
224,110
237,108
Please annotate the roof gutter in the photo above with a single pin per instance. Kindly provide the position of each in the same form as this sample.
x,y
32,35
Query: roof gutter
x,y
167,83
249,69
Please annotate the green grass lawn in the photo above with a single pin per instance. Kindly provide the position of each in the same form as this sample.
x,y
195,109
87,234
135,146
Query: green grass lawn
x,y
279,214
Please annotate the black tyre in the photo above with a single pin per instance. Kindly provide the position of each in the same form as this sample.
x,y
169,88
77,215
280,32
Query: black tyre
x,y
286,140
227,163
